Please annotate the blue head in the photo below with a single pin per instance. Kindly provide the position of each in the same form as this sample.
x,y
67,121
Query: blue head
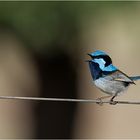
x,y
97,53
100,64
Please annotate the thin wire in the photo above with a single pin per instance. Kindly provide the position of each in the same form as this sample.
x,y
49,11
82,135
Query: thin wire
x,y
67,100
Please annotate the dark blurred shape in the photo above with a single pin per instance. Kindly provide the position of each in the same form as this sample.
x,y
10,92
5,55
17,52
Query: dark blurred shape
x,y
55,119
18,77
50,31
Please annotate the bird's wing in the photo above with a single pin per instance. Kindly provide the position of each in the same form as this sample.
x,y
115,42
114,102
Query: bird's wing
x,y
120,76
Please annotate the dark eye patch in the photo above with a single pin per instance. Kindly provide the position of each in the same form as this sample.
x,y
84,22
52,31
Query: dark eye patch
x,y
106,58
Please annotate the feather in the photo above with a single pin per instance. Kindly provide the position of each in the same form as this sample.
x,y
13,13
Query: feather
x,y
135,78
120,76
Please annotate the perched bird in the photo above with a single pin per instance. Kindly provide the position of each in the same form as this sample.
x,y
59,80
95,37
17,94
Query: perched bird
x,y
108,77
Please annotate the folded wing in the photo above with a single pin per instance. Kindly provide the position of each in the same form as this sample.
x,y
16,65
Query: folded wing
x,y
120,76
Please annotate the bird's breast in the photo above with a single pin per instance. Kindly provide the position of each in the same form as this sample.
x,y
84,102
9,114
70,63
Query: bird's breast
x,y
112,87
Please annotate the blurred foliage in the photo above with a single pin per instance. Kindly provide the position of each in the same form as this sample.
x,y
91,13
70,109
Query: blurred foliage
x,y
46,23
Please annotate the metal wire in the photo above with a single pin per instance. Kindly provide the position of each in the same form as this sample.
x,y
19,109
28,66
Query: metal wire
x,y
67,100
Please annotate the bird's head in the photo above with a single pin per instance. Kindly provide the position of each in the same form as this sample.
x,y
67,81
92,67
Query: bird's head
x,y
102,59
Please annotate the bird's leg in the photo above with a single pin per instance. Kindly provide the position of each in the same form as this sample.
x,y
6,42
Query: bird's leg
x,y
101,98
112,102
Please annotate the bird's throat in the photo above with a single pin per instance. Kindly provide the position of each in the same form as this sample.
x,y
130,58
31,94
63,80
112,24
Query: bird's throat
x,y
95,70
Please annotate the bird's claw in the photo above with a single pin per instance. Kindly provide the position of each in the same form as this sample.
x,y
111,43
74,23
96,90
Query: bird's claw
x,y
99,102
113,102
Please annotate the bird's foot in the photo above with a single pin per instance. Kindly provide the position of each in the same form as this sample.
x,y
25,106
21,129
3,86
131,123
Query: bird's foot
x,y
112,102
99,101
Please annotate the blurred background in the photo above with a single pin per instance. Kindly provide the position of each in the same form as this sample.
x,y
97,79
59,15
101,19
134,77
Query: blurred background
x,y
43,48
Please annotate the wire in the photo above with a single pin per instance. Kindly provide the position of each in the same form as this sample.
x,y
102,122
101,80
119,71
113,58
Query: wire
x,y
67,100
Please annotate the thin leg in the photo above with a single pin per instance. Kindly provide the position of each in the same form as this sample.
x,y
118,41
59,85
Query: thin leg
x,y
101,98
112,98
112,102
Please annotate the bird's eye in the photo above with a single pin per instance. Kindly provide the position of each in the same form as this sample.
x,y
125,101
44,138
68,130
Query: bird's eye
x,y
106,58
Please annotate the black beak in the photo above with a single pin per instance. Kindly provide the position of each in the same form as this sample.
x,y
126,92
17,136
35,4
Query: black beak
x,y
89,54
87,60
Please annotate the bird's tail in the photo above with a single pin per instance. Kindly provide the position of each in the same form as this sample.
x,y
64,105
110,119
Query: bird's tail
x,y
134,78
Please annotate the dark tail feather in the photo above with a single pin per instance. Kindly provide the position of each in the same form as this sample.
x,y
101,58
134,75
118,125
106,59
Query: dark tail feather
x,y
134,78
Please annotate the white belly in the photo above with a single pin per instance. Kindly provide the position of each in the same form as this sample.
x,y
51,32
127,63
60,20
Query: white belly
x,y
109,86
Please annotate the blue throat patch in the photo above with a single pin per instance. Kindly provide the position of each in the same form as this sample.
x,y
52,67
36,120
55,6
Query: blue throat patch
x,y
96,72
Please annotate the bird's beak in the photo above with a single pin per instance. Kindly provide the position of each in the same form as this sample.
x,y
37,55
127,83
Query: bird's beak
x,y
89,54
87,60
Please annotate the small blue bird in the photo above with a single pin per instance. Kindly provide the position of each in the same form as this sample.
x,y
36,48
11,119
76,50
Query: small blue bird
x,y
108,77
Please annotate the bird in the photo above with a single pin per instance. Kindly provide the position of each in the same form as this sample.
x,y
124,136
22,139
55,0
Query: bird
x,y
107,77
